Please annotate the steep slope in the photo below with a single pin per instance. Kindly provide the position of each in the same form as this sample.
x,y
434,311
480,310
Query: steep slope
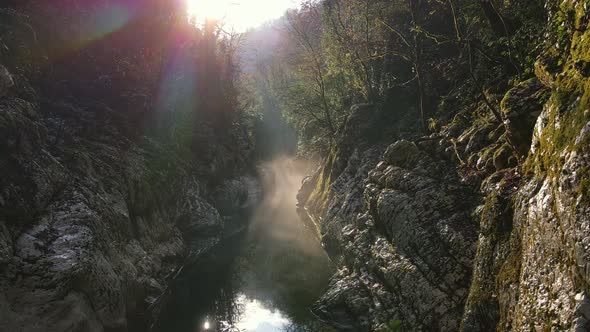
x,y
94,220
540,258
482,226
401,221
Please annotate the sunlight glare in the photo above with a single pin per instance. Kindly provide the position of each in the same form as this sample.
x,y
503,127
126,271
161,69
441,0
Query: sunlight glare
x,y
206,9
238,15
257,317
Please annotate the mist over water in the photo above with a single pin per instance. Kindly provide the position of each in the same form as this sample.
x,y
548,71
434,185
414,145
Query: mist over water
x,y
276,217
290,268
265,280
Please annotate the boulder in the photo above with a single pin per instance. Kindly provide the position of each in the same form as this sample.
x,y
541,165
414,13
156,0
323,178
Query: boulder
x,y
401,153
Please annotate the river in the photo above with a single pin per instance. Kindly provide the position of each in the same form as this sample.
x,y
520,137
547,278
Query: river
x,y
264,279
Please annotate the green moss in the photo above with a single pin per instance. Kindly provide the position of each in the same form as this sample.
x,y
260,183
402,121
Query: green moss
x,y
569,106
319,197
510,270
480,290
504,157
497,262
558,137
487,155
393,326
509,275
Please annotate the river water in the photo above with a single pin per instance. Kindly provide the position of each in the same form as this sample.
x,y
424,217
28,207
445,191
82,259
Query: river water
x,y
264,279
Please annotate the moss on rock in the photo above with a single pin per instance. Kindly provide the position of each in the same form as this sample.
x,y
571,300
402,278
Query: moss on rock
x,y
520,108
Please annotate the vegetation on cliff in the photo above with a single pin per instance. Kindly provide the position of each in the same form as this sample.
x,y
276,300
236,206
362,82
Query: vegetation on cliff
x,y
117,121
497,89
422,61
453,137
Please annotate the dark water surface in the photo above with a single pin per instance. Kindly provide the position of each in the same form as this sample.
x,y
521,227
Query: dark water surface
x,y
264,279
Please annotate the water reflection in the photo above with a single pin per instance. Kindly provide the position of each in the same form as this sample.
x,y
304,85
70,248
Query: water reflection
x,y
264,280
257,317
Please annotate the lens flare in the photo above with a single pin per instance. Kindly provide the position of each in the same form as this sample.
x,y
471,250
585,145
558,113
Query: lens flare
x,y
207,9
90,21
238,15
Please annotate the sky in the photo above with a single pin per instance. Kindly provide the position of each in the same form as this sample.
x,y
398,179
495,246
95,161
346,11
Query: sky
x,y
240,15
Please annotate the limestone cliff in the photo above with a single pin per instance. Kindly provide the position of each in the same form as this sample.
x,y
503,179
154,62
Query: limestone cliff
x,y
482,226
94,220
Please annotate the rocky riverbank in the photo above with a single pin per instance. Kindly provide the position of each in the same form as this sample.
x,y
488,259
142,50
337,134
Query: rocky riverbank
x,y
101,198
94,225
480,226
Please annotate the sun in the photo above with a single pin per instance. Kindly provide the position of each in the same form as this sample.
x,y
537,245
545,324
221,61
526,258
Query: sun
x,y
238,15
207,9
